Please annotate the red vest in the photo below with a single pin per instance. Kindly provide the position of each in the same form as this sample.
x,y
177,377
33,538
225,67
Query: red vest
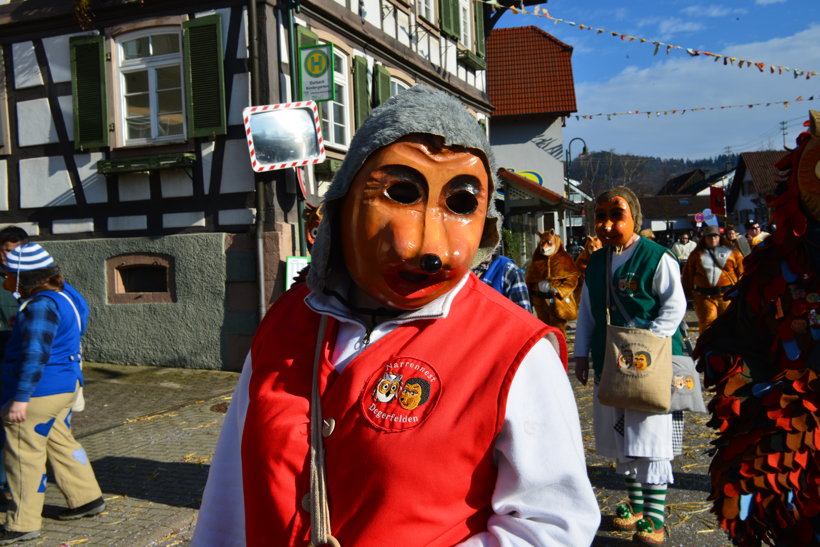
x,y
417,414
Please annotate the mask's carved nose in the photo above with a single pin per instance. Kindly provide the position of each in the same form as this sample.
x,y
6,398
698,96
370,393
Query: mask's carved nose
x,y
430,263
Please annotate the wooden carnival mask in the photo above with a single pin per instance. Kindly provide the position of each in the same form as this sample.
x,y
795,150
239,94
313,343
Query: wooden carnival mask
x,y
614,223
413,219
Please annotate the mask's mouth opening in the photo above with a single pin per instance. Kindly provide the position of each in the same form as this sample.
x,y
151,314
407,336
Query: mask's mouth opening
x,y
414,277
415,283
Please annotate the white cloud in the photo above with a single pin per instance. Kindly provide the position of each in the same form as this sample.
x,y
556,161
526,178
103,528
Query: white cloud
x,y
673,25
712,10
679,82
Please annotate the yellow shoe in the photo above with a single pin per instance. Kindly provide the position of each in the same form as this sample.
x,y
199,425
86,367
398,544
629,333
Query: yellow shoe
x,y
624,518
647,535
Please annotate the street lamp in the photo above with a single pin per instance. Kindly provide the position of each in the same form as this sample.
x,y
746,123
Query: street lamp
x,y
568,162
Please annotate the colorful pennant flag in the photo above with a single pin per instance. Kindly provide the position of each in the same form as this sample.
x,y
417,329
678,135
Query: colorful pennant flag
x,y
682,111
539,11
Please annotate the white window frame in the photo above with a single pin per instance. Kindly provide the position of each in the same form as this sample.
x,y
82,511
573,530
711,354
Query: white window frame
x,y
426,10
5,141
465,16
397,85
124,66
341,78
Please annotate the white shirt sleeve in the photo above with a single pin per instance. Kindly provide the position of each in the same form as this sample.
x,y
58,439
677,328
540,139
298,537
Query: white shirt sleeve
x,y
542,494
221,520
667,285
584,326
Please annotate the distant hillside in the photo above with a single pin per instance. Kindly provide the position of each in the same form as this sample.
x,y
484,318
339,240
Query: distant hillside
x,y
599,171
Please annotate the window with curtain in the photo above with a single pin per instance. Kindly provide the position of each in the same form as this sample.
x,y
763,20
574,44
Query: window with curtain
x,y
335,114
424,9
152,98
465,22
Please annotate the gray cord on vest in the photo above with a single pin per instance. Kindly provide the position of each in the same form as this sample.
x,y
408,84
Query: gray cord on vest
x,y
319,506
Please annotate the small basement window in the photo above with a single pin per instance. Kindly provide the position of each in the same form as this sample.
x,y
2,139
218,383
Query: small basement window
x,y
141,278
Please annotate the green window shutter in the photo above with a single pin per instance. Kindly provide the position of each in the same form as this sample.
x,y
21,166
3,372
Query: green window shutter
x,y
88,91
361,98
448,16
480,50
204,76
304,38
381,85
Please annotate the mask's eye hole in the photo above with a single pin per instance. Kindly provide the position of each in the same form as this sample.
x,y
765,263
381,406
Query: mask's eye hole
x,y
462,203
404,192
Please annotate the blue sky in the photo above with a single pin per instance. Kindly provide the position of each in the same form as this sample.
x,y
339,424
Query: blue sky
x,y
615,76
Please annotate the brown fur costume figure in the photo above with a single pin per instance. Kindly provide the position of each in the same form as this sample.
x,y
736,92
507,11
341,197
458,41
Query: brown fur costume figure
x,y
591,244
762,360
554,301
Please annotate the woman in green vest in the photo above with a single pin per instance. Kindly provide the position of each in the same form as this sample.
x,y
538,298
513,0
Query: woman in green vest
x,y
646,280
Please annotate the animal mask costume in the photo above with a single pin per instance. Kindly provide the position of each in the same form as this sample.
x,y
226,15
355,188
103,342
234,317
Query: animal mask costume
x,y
762,360
410,210
552,279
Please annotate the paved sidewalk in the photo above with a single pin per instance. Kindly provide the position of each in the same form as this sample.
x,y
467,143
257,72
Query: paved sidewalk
x,y
150,433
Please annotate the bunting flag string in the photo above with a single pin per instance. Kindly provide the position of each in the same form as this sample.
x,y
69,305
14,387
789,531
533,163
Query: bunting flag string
x,y
727,60
682,111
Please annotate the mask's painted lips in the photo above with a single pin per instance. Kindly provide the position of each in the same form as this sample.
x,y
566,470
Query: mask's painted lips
x,y
414,283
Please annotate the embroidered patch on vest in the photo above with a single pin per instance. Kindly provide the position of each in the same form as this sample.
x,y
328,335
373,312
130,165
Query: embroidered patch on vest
x,y
401,394
628,284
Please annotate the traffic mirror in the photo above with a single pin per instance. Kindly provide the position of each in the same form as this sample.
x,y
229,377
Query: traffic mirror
x,y
282,136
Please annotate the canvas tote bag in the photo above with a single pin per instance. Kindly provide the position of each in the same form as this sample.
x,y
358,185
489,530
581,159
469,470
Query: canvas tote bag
x,y
637,371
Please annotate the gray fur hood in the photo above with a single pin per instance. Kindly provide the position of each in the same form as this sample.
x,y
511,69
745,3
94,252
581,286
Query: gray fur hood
x,y
419,109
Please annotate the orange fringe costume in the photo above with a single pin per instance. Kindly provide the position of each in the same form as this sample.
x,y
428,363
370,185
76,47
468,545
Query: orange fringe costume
x,y
560,306
697,281
762,360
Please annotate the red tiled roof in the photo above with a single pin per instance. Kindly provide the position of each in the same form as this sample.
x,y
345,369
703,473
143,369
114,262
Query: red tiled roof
x,y
529,72
760,166
682,183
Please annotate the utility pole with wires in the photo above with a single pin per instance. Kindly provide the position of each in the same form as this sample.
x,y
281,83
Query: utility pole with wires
x,y
783,127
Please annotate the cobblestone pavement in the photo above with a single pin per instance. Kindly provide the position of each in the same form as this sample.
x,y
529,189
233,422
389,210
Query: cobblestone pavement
x,y
150,433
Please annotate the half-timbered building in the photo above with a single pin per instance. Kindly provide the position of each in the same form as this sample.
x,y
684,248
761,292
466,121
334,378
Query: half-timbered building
x,y
122,147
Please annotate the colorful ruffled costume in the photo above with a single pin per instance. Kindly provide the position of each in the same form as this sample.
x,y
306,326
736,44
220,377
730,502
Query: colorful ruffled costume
x,y
762,360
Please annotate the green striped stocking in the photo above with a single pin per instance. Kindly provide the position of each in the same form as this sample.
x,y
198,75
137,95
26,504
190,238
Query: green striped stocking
x,y
655,501
635,492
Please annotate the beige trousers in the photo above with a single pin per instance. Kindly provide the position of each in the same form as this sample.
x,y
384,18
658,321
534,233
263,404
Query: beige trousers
x,y
45,436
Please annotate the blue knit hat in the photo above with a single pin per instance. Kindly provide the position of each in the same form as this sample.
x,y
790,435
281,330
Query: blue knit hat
x,y
27,258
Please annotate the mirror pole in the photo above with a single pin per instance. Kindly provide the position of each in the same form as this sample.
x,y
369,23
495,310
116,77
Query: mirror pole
x,y
294,5
300,211
259,184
